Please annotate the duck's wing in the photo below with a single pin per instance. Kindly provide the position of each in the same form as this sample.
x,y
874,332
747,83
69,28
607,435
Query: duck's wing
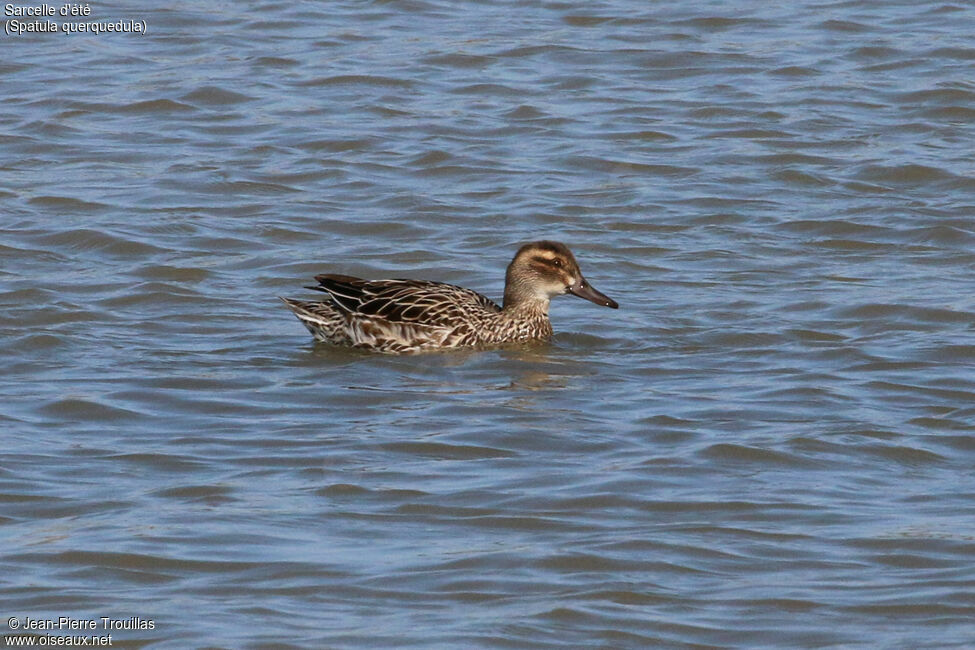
x,y
405,301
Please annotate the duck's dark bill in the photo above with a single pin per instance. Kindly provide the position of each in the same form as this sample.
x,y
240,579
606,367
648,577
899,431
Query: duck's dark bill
x,y
585,290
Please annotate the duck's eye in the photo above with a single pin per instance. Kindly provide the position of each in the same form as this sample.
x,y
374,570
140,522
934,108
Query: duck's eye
x,y
557,263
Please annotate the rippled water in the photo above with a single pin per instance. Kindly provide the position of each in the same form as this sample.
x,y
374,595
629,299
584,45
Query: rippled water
x,y
769,444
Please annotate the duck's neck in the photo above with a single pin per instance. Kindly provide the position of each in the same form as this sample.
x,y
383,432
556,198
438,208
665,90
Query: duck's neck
x,y
521,298
526,307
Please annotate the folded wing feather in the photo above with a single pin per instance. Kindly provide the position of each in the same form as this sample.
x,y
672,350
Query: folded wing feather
x,y
406,301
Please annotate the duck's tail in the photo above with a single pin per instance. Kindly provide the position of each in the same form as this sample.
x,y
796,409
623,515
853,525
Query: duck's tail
x,y
321,318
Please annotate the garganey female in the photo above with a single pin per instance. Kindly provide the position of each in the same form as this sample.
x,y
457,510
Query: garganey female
x,y
400,316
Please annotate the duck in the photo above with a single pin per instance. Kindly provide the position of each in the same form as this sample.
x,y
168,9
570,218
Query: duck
x,y
406,316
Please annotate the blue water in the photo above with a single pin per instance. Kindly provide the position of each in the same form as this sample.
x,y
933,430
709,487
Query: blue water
x,y
770,444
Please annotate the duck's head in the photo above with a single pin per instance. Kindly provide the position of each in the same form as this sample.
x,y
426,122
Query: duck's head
x,y
542,270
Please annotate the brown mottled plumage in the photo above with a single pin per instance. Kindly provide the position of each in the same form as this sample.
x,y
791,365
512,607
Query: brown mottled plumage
x,y
397,316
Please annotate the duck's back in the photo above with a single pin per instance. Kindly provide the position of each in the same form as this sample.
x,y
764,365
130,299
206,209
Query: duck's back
x,y
395,315
420,302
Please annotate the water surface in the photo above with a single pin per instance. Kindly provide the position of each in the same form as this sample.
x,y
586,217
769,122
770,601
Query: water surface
x,y
769,445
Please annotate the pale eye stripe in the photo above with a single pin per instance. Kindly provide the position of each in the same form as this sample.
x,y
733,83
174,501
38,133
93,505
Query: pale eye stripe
x,y
550,259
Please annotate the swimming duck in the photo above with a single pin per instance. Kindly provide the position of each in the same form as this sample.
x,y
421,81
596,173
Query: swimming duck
x,y
401,316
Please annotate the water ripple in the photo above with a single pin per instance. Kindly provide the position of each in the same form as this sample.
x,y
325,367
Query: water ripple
x,y
765,446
